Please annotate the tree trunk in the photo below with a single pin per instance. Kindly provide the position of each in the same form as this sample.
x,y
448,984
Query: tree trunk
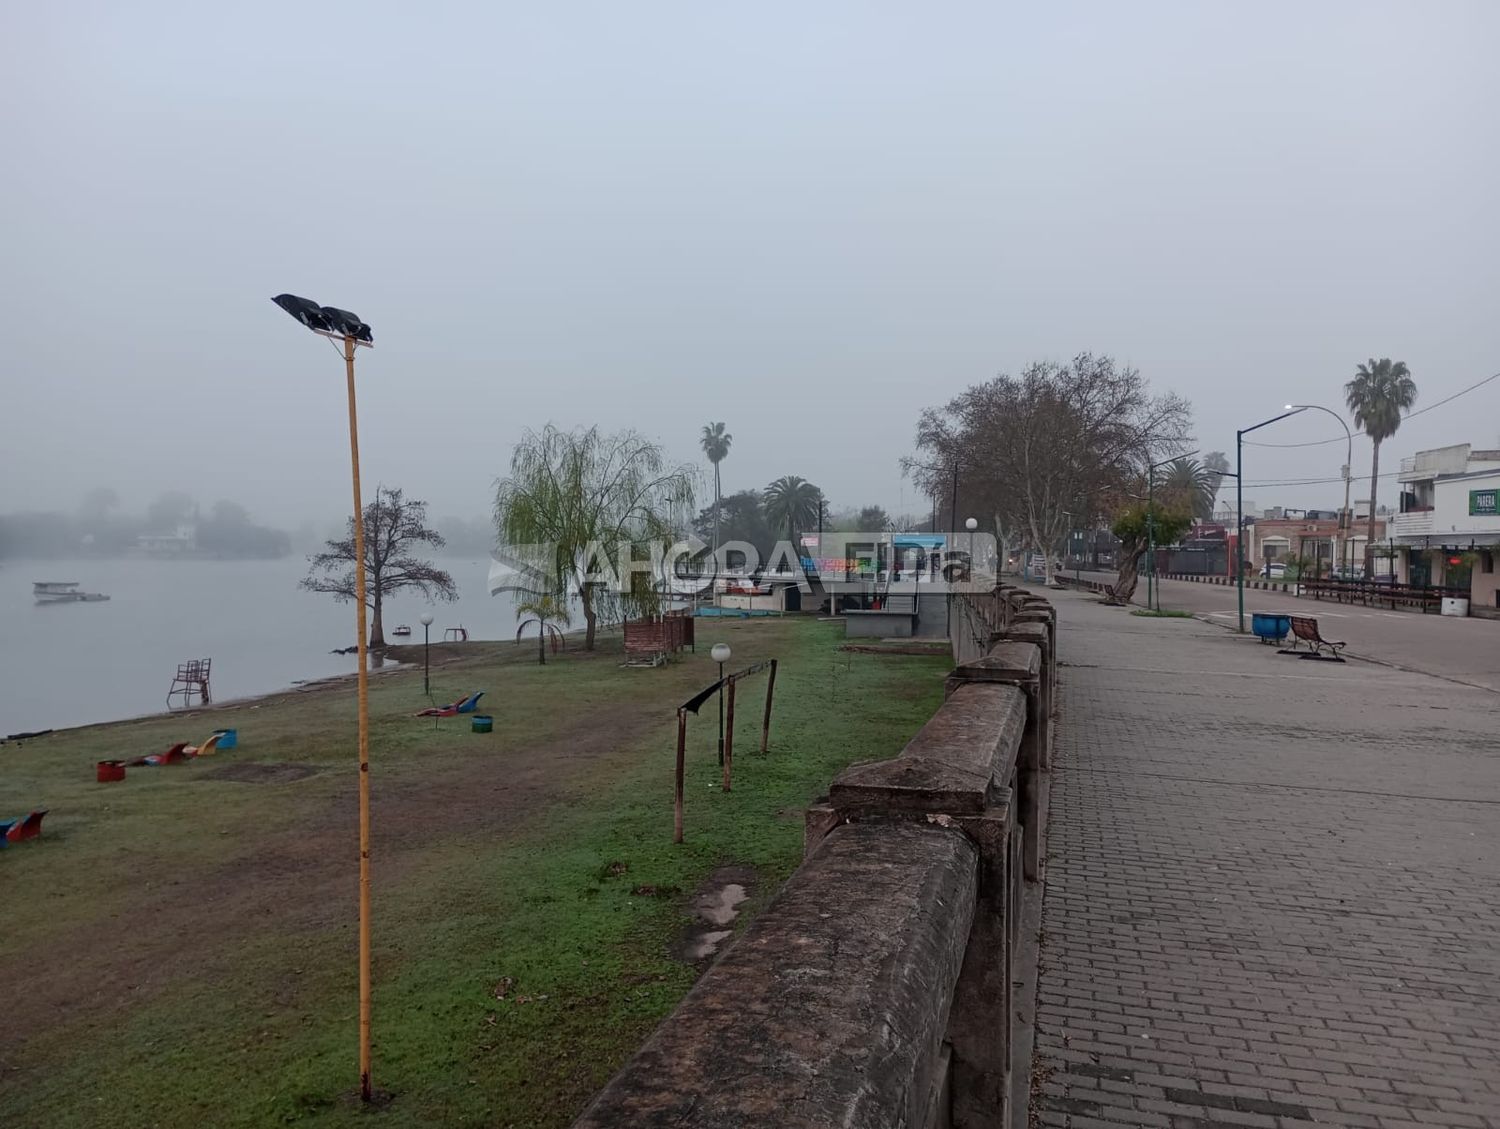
x,y
718,505
586,597
541,642
1370,533
377,630
1130,575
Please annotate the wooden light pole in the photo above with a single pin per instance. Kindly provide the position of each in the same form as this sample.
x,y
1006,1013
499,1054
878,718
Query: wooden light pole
x,y
346,328
364,735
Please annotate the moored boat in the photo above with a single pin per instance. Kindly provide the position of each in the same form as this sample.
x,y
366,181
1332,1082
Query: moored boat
x,y
63,592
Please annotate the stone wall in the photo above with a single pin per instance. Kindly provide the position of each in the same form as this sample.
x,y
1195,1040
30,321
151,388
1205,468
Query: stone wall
x,y
877,988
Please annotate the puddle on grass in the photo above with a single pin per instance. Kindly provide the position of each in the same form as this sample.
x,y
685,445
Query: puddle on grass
x,y
715,906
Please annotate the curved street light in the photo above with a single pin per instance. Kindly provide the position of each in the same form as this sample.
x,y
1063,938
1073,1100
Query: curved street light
x,y
1346,516
1239,504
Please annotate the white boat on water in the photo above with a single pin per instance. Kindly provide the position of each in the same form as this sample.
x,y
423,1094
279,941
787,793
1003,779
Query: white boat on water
x,y
63,592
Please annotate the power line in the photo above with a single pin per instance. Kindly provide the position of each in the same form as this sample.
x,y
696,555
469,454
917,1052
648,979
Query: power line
x,y
1455,396
1320,481
1407,416
1312,443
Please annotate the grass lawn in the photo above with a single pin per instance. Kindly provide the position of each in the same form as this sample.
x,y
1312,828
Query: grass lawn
x,y
179,948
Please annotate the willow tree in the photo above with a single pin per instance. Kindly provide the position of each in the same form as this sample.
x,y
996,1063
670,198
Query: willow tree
x,y
573,496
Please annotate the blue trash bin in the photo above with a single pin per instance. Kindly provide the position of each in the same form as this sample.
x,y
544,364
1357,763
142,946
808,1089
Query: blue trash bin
x,y
1271,627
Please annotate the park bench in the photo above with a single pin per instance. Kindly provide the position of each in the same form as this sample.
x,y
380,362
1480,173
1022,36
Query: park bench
x,y
1305,630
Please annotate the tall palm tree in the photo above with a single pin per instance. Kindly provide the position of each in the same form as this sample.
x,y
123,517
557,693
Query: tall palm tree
x,y
1191,484
546,611
794,502
1380,393
715,442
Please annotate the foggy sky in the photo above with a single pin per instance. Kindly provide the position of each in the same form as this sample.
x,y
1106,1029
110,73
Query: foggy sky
x,y
807,220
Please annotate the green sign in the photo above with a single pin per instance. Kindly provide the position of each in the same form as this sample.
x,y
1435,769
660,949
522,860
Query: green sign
x,y
1484,501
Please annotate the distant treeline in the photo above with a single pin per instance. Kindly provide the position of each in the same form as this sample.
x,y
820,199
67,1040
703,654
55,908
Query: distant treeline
x,y
173,525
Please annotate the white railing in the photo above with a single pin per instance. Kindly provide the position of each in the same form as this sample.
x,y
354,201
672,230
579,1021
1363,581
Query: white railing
x,y
1418,523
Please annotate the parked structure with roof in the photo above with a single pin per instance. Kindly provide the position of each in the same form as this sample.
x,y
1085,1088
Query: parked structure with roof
x,y
1448,529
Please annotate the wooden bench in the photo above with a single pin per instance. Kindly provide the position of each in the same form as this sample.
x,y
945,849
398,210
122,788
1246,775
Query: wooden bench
x,y
1305,630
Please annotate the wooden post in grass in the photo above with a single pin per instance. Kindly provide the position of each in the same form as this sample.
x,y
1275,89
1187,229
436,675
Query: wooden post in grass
x,y
729,735
765,726
681,752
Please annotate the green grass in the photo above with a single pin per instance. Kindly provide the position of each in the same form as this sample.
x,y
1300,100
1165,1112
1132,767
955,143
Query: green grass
x,y
217,918
1162,613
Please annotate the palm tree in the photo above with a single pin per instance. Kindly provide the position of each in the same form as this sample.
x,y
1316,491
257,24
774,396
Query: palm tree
x,y
546,611
1380,393
1192,485
793,501
715,442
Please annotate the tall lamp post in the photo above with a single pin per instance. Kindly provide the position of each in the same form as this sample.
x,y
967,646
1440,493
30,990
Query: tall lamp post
x,y
1239,504
1346,516
1153,602
346,328
426,622
720,654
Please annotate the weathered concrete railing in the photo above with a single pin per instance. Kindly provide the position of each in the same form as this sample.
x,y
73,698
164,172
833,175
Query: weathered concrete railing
x,y
877,987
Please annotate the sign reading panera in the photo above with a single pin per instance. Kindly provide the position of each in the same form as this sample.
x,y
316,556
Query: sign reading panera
x,y
1484,501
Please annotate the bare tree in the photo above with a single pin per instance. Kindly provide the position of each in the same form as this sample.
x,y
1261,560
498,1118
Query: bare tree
x,y
1056,444
394,527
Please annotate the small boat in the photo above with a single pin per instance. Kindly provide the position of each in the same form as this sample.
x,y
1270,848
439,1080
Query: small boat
x,y
403,630
63,592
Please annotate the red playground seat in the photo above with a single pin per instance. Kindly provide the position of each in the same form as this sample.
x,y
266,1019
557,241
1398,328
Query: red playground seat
x,y
28,828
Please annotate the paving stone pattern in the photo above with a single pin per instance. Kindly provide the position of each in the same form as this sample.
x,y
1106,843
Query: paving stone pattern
x,y
1273,888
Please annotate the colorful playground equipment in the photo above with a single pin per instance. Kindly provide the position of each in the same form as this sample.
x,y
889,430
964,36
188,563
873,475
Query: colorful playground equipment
x,y
15,830
110,771
463,705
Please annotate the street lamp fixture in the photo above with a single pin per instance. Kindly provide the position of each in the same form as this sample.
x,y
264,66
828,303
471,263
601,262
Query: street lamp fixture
x,y
1152,585
1239,503
720,654
346,328
426,622
1346,515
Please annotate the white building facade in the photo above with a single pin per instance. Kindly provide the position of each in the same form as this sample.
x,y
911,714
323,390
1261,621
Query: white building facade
x,y
1448,529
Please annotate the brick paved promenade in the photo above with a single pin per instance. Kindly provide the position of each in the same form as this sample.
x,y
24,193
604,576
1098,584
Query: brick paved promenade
x,y
1273,895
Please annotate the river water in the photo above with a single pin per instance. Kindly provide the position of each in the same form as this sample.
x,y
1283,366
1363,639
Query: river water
x,y
71,664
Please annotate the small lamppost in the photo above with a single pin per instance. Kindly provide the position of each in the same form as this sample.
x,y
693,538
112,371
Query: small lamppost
x,y
971,524
720,655
426,622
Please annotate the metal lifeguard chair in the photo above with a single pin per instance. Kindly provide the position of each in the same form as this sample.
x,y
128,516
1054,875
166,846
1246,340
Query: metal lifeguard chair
x,y
191,678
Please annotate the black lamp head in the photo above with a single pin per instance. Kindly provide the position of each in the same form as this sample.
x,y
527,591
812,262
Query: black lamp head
x,y
324,319
305,310
346,324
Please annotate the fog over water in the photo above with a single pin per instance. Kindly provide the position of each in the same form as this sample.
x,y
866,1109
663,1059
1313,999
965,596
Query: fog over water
x,y
807,221
69,664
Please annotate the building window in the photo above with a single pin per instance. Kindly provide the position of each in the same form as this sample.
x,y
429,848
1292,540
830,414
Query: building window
x,y
1487,562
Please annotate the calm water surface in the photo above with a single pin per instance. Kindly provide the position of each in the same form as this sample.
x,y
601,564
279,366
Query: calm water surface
x,y
70,664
